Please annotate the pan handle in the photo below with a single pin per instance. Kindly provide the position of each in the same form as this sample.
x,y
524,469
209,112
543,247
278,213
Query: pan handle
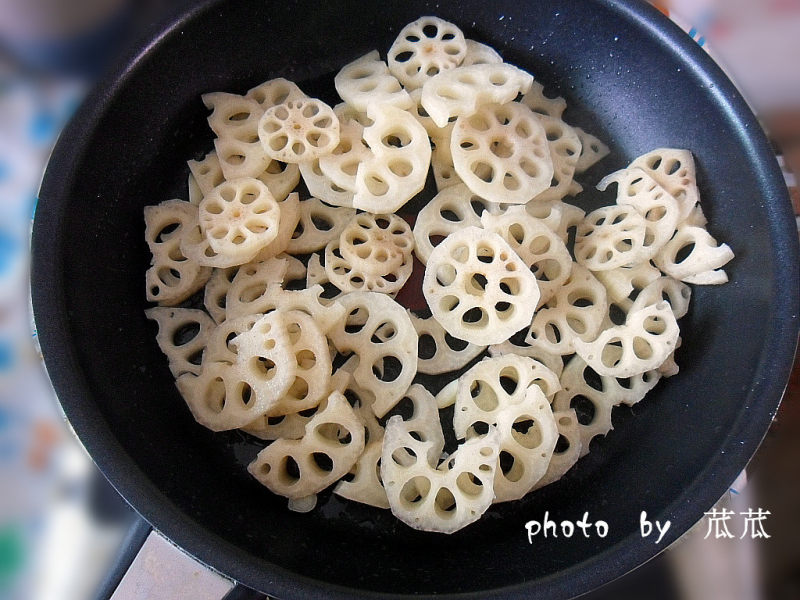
x,y
148,565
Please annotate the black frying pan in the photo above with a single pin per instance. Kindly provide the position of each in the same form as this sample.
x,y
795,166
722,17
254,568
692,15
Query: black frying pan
x,y
628,75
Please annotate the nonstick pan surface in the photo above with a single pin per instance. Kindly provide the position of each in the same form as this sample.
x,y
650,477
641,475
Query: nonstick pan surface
x,y
629,76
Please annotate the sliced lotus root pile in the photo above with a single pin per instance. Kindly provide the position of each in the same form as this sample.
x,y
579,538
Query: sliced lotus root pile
x,y
173,276
675,171
239,152
317,225
615,237
477,287
274,426
480,54
228,395
297,348
373,253
398,167
290,216
497,382
312,378
510,393
376,243
502,154
694,256
565,149
299,130
220,347
207,173
239,218
576,312
624,283
320,186
183,335
440,352
460,92
662,186
612,237
538,102
591,405
333,441
386,364
517,346
643,343
536,244
366,485
425,48
234,119
341,165
450,210
274,92
432,497
567,450
592,151
366,81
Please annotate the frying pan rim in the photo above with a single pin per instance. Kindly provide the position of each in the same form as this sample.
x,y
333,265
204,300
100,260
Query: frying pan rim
x,y
133,484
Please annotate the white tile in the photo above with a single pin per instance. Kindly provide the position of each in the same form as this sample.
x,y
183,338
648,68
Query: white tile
x,y
163,572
